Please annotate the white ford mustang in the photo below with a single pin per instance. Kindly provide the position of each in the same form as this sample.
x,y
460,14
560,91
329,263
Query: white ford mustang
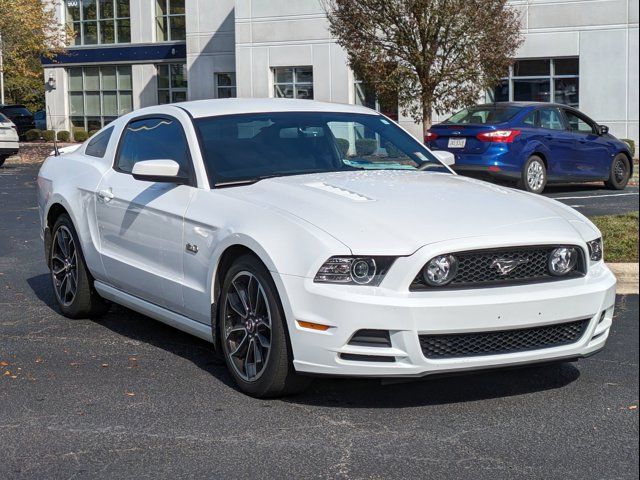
x,y
309,238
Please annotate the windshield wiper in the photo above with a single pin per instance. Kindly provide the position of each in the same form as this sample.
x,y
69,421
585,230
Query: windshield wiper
x,y
251,181
244,181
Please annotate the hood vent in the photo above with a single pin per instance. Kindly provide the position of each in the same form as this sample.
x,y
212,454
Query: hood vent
x,y
356,197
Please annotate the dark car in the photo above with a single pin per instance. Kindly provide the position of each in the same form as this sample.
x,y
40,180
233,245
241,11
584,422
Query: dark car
x,y
20,116
532,144
40,119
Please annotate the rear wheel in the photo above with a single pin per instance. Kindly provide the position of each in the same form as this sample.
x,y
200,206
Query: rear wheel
x,y
619,173
72,282
534,175
253,332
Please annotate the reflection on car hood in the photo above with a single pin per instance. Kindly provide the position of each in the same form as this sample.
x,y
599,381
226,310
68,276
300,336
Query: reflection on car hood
x,y
397,212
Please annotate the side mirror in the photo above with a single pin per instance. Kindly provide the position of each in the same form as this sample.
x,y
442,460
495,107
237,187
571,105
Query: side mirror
x,y
445,157
165,171
603,129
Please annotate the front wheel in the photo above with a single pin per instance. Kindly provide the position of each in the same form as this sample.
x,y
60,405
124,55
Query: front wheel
x,y
253,332
534,175
619,173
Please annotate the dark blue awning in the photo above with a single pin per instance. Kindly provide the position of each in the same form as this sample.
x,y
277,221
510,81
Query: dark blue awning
x,y
115,54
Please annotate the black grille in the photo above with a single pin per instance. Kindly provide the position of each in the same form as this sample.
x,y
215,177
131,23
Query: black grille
x,y
477,268
506,341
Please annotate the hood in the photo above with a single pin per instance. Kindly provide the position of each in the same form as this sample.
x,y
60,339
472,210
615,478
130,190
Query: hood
x,y
397,212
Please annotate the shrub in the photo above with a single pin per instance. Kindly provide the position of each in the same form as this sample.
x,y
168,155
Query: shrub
x,y
632,146
48,135
80,134
32,135
366,146
63,136
343,146
92,132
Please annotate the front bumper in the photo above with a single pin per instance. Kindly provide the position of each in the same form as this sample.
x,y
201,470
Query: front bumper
x,y
409,314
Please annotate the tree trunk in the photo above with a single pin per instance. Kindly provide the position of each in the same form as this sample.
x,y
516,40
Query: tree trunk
x,y
426,116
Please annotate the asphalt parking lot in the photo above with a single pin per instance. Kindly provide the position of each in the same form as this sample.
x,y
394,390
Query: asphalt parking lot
x,y
127,397
593,199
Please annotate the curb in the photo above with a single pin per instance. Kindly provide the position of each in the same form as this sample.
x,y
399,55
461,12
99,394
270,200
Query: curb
x,y
627,275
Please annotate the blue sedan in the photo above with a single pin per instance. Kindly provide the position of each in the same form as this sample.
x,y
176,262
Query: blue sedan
x,y
532,144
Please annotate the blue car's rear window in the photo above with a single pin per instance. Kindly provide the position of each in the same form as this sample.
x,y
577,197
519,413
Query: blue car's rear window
x,y
485,115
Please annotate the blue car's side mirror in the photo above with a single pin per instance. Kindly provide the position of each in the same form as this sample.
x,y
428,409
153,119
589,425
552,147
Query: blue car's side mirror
x,y
603,129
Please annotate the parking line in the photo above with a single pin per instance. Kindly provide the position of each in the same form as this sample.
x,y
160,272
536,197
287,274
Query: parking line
x,y
596,196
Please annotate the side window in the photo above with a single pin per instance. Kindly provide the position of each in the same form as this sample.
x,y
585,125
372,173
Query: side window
x,y
551,119
153,139
97,146
578,123
531,120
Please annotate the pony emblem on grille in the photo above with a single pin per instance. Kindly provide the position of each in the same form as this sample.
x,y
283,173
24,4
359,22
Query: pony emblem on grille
x,y
507,265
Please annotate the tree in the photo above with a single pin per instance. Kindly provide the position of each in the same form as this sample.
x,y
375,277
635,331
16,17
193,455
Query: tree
x,y
29,30
435,55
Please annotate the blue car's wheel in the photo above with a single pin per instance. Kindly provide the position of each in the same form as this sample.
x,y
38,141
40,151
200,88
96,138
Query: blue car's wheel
x,y
619,173
534,175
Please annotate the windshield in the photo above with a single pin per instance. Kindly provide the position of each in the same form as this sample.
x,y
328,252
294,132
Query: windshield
x,y
485,115
248,147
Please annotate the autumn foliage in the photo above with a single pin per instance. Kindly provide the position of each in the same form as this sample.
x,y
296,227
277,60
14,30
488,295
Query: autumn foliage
x,y
29,30
434,55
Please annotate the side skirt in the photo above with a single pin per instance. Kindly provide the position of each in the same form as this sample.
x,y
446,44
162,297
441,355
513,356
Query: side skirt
x,y
154,311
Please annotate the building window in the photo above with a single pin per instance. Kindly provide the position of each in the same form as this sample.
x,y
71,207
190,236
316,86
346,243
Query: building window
x,y
225,85
99,21
172,83
98,95
170,20
541,80
366,96
293,82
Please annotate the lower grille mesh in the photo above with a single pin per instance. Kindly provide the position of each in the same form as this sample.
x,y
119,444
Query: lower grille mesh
x,y
506,341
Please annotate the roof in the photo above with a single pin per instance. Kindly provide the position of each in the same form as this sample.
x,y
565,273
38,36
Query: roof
x,y
230,106
522,104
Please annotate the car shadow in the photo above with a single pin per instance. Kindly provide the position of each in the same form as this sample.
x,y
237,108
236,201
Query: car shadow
x,y
574,187
461,388
135,326
41,286
335,392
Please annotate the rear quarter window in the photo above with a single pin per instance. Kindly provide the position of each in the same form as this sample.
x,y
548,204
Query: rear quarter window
x,y
97,146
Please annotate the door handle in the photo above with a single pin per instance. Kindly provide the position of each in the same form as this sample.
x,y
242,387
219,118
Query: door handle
x,y
105,195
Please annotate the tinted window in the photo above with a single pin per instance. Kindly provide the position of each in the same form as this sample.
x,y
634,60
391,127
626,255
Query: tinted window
x,y
531,119
153,139
578,123
551,119
241,148
97,146
15,111
483,115
3,118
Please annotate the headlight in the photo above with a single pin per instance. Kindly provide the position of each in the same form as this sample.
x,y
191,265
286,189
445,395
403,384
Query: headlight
x,y
562,261
440,270
595,249
354,270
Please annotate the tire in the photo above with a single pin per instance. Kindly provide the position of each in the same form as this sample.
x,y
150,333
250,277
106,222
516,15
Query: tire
x,y
534,175
253,332
619,173
68,268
